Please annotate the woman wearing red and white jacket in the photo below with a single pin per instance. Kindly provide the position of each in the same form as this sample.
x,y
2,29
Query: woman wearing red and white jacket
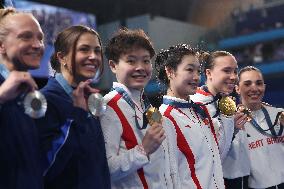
x,y
220,69
192,140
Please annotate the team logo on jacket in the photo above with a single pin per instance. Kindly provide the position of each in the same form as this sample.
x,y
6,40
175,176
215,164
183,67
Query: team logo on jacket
x,y
206,121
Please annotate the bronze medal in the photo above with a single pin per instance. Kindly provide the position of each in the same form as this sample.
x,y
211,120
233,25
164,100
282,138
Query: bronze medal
x,y
245,110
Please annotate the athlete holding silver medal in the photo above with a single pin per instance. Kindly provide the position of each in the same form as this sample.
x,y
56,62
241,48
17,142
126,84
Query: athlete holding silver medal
x,y
21,49
71,138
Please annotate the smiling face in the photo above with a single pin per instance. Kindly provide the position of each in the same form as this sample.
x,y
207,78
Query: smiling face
x,y
23,47
88,59
184,81
251,88
133,69
223,76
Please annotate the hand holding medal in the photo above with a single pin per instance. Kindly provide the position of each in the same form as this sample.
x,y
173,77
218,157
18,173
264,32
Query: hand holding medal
x,y
153,115
245,110
155,134
21,84
242,116
88,98
96,104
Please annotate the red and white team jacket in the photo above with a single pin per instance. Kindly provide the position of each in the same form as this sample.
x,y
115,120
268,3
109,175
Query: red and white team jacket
x,y
224,126
266,153
234,155
194,142
129,166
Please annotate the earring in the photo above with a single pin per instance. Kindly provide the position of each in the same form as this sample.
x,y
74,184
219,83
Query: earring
x,y
65,64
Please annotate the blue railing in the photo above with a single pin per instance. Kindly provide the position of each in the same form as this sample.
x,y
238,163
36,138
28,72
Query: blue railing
x,y
239,41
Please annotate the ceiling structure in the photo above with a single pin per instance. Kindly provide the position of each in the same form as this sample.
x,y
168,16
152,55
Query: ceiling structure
x,y
111,10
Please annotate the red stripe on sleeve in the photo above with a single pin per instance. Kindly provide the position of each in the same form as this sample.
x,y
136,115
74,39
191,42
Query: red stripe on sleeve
x,y
127,134
184,147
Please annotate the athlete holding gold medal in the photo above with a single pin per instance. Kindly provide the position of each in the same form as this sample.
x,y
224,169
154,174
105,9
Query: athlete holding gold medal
x,y
136,146
220,69
193,141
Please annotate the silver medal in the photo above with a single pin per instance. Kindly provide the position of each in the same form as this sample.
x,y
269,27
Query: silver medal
x,y
35,104
96,104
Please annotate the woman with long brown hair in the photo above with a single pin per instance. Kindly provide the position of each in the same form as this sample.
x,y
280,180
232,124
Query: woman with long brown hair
x,y
72,138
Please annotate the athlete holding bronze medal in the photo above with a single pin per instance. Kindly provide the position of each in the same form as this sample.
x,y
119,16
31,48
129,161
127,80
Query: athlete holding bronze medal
x,y
264,132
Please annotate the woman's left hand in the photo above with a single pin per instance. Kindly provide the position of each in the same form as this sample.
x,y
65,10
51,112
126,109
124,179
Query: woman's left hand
x,y
81,94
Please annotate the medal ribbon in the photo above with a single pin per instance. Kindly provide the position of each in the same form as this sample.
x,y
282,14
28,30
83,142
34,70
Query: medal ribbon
x,y
64,84
4,71
216,98
126,97
269,123
193,105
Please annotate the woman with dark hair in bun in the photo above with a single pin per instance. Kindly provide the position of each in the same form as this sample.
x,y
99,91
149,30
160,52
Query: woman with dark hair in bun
x,y
71,137
220,69
193,141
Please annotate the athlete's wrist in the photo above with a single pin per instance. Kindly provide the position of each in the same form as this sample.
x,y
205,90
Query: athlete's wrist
x,y
141,149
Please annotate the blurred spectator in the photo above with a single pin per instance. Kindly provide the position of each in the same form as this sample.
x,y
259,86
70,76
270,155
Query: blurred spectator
x,y
260,53
255,20
257,54
54,22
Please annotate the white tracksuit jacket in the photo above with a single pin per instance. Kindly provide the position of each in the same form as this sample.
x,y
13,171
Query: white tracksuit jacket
x,y
129,167
266,153
234,154
194,143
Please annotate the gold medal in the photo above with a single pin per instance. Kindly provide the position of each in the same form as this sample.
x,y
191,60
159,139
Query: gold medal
x,y
227,106
153,115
